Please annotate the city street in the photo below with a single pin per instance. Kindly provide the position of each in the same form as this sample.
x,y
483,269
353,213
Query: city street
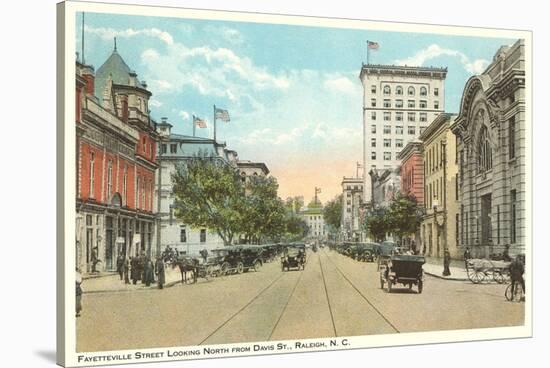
x,y
334,296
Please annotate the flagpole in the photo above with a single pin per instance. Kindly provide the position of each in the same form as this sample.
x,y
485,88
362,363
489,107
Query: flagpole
x,y
368,52
214,123
194,125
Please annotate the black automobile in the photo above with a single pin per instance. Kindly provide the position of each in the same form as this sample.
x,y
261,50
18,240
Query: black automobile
x,y
236,259
294,256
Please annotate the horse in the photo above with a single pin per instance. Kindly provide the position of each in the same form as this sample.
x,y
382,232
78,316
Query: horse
x,y
186,265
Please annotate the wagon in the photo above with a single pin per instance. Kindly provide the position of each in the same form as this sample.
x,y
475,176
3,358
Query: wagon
x,y
402,269
480,270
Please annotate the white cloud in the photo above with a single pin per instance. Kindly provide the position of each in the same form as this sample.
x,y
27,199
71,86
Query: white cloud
x,y
184,115
155,103
342,84
433,51
110,33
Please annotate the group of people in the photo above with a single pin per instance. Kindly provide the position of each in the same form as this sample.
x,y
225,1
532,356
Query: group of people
x,y
141,268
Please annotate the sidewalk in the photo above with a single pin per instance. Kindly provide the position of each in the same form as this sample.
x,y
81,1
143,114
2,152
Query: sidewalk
x,y
434,267
110,282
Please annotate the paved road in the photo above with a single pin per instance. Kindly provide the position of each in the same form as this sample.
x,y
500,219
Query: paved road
x,y
334,296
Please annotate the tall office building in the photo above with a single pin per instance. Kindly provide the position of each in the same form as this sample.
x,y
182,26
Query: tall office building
x,y
398,104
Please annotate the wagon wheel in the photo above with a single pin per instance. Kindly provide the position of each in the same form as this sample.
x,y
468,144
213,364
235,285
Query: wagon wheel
x,y
477,276
498,276
420,286
240,267
257,266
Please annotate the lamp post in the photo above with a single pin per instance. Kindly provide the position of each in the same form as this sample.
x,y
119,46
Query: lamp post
x,y
443,212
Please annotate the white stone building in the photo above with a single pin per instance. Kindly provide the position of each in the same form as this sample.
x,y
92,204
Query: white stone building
x,y
398,104
352,200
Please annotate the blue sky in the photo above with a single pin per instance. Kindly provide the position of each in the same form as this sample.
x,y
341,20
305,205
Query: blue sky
x,y
293,92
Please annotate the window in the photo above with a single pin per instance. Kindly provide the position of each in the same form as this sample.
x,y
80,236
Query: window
x,y
411,116
513,216
373,115
163,149
373,129
144,142
143,189
387,142
387,129
411,91
411,129
387,156
399,90
387,103
183,235
484,151
399,104
422,129
387,116
436,104
399,129
399,116
512,138
387,90
398,143
373,89
373,155
92,174
436,91
125,185
456,228
173,148
203,235
373,142
137,192
423,91
423,104
109,180
423,117
411,104
373,102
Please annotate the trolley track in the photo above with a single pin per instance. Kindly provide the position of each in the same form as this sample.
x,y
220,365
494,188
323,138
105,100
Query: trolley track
x,y
328,299
363,296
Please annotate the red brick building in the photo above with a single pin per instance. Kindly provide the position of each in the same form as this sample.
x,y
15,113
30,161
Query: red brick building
x,y
412,170
116,145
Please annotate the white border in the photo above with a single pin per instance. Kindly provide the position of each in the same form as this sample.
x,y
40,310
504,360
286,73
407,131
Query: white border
x,y
357,342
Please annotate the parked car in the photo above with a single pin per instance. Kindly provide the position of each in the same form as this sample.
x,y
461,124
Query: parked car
x,y
404,269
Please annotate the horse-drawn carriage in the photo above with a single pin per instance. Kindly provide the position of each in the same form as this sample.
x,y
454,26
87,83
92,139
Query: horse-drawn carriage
x,y
480,270
294,256
403,269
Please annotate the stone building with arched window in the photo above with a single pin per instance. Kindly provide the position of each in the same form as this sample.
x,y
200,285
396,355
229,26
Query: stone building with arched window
x,y
491,132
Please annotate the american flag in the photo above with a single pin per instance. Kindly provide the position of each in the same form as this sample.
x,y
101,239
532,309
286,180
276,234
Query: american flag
x,y
222,114
201,123
373,45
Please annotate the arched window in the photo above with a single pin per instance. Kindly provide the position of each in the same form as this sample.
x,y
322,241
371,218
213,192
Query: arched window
x,y
484,151
398,90
387,90
423,91
411,91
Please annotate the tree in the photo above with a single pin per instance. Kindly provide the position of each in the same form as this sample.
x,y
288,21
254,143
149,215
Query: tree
x,y
332,213
377,224
404,215
296,227
263,213
209,193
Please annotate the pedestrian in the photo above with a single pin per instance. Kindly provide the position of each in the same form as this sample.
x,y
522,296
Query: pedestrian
x,y
517,269
94,260
413,246
148,272
141,267
120,265
125,267
446,263
78,292
204,254
159,270
467,257
134,269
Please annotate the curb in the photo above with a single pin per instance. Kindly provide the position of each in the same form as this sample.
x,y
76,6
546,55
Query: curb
x,y
444,277
99,275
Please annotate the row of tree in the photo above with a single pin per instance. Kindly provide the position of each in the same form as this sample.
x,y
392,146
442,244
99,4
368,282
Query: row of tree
x,y
209,193
402,217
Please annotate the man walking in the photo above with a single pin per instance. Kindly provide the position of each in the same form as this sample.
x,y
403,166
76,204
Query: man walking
x,y
467,257
125,267
446,263
159,268
120,265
